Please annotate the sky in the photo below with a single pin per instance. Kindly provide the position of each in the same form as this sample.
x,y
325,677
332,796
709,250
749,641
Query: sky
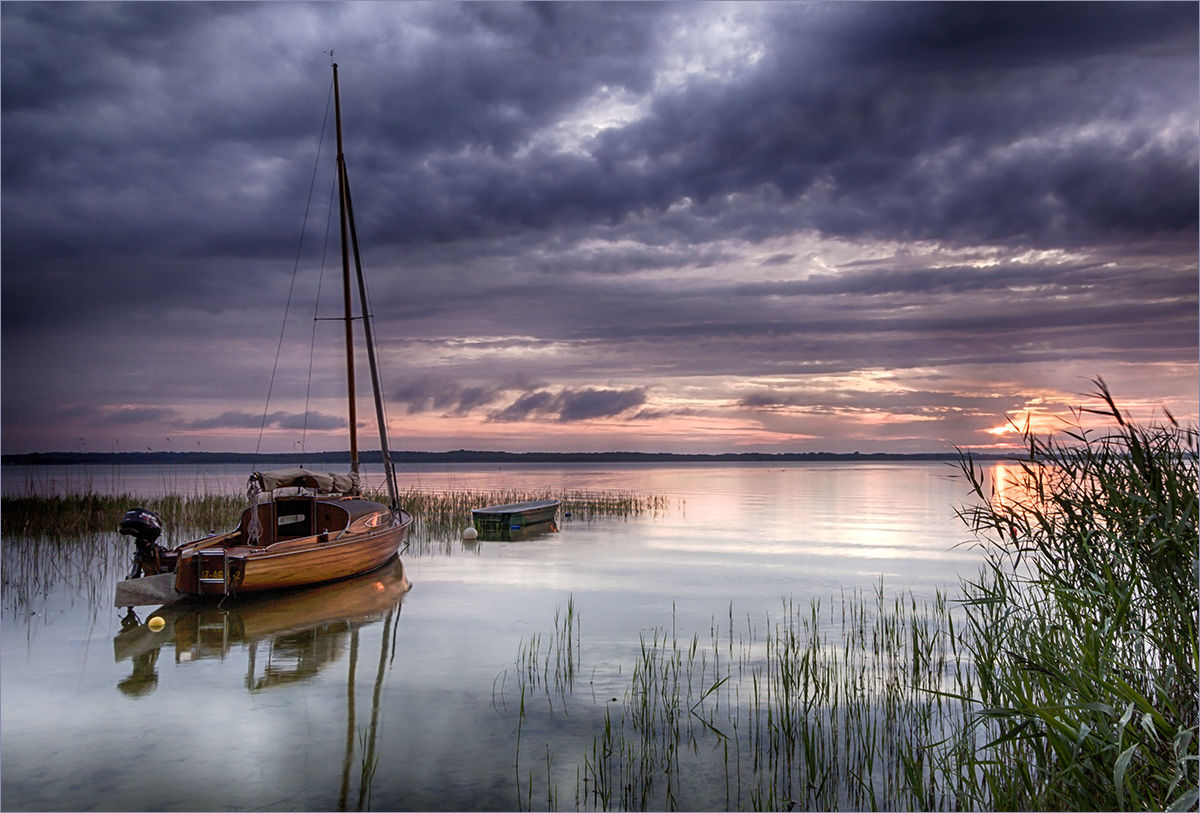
x,y
678,227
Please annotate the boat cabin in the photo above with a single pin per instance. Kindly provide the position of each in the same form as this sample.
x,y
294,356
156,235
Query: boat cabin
x,y
293,517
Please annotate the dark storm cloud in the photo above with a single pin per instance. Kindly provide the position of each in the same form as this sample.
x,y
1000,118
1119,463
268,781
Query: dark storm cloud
x,y
961,279
862,130
970,144
140,138
966,145
572,405
529,404
949,35
233,419
591,403
590,192
426,392
884,313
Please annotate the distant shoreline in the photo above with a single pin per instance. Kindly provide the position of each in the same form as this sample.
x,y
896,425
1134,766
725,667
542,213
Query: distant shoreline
x,y
459,456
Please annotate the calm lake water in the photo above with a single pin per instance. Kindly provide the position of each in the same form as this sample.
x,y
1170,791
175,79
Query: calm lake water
x,y
367,694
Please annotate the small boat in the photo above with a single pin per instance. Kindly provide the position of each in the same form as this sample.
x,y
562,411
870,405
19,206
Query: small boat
x,y
301,527
501,520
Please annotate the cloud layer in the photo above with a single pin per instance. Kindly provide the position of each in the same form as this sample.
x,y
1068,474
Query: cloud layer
x,y
707,227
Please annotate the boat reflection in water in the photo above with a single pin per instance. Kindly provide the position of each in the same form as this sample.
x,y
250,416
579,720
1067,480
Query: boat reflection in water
x,y
517,534
290,636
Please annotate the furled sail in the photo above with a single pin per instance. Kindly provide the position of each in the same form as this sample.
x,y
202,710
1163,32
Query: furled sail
x,y
323,482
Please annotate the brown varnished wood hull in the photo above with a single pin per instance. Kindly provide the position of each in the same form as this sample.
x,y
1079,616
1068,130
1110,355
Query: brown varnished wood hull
x,y
293,563
332,561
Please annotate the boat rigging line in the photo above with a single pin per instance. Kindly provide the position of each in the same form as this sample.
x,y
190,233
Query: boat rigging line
x,y
295,272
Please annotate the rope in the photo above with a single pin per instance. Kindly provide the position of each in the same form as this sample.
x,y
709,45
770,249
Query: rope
x,y
295,270
254,529
369,326
312,348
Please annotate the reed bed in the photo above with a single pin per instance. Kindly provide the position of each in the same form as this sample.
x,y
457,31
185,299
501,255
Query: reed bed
x,y
827,706
439,517
1083,622
452,508
1063,677
67,515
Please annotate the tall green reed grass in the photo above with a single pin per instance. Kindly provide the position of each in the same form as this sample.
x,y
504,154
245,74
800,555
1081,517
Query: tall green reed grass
x,y
1083,623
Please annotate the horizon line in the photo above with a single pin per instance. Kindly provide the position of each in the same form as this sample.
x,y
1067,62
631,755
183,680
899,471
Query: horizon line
x,y
460,456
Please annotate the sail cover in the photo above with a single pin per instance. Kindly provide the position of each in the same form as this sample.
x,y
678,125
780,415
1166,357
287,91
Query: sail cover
x,y
324,482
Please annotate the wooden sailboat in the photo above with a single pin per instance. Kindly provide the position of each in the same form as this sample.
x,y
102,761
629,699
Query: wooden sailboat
x,y
301,527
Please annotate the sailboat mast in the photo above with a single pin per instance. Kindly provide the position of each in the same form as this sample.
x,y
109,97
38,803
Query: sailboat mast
x,y
350,240
349,314
389,470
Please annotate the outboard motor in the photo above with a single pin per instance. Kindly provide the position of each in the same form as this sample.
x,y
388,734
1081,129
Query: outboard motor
x,y
145,527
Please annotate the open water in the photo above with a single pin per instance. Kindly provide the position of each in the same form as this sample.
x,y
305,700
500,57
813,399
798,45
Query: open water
x,y
367,695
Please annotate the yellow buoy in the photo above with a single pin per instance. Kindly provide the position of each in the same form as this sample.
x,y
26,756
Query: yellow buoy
x,y
156,623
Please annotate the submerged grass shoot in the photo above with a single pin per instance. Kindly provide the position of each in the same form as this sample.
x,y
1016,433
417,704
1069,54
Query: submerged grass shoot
x,y
820,708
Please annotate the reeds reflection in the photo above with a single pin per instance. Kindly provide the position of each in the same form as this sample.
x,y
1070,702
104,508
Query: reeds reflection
x,y
79,567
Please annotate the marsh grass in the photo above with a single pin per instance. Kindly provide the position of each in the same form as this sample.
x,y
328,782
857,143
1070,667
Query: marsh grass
x,y
1064,677
439,517
822,707
76,514
1084,620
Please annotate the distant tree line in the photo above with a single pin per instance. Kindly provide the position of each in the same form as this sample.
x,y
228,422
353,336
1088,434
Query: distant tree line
x,y
459,456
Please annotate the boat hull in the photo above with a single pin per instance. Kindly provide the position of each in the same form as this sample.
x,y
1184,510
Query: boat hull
x,y
216,570
496,519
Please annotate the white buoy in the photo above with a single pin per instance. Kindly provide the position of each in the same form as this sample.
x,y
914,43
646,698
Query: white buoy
x,y
470,534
